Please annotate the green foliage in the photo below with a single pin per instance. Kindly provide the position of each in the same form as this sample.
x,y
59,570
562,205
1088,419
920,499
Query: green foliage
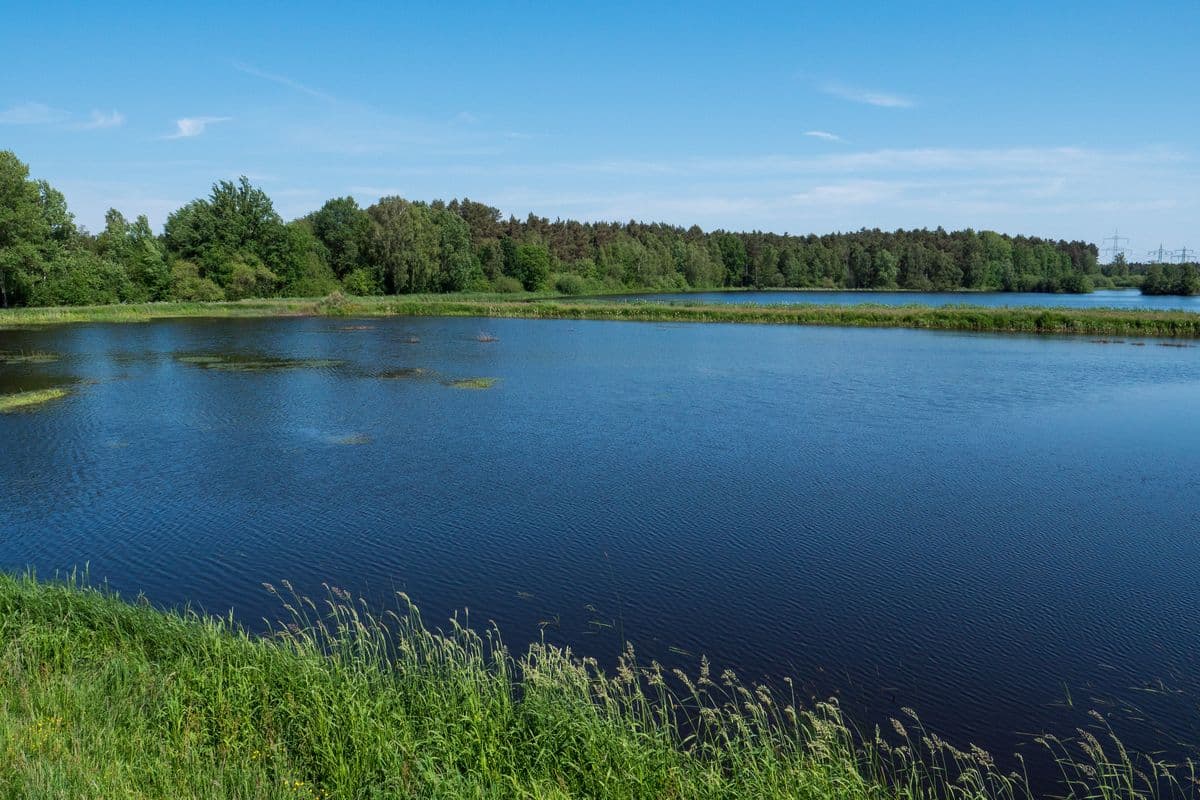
x,y
532,265
420,248
1180,279
135,248
186,283
344,229
234,244
570,284
507,285
79,278
236,224
101,698
361,283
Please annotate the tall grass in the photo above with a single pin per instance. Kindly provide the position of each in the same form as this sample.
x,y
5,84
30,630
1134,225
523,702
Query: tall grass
x,y
1089,321
102,698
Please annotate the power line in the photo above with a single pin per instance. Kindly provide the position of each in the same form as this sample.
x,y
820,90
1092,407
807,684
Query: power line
x,y
1159,254
1183,254
1115,249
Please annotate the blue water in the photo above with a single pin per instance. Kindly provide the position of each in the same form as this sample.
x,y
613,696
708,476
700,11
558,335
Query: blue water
x,y
970,525
1106,298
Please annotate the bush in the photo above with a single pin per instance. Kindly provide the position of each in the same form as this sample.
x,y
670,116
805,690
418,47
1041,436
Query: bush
x,y
570,284
361,283
82,279
506,285
186,283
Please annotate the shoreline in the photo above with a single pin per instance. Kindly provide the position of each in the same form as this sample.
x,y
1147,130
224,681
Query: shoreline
x,y
982,319
338,702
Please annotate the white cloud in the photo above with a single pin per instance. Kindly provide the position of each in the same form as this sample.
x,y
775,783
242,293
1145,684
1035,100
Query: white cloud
x,y
32,114
283,80
825,135
101,119
868,96
189,127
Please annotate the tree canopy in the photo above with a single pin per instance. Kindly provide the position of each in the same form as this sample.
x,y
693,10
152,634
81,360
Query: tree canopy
x,y
234,244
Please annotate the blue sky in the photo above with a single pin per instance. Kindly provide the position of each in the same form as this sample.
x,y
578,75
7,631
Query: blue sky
x,y
1058,119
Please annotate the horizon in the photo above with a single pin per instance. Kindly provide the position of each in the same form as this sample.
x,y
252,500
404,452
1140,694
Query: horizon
x,y
913,120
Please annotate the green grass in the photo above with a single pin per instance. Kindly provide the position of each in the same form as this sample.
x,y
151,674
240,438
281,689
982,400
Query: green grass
x,y
471,383
1091,322
100,698
238,362
28,400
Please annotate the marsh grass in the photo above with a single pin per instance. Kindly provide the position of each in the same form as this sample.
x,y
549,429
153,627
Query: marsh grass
x,y
237,362
402,373
25,401
471,383
1092,321
11,358
103,698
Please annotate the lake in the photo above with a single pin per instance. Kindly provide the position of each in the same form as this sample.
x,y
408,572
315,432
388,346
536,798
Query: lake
x,y
1124,299
1001,532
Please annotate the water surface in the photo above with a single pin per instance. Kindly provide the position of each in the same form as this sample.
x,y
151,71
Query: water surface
x,y
1124,299
972,525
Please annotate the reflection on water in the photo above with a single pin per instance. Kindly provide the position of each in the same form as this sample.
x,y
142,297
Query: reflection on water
x,y
971,525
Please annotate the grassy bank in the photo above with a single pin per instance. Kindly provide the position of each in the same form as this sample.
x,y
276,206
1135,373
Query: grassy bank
x,y
100,698
1090,322
30,399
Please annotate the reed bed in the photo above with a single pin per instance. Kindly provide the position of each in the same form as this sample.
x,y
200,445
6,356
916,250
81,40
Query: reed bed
x,y
104,698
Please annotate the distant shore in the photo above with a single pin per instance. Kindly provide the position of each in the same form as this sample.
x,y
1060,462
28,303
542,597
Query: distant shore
x,y
1029,320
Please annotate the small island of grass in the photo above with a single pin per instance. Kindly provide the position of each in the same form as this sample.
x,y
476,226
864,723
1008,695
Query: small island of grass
x,y
29,400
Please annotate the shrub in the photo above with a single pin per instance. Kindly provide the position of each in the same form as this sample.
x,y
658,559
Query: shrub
x,y
361,283
570,284
507,285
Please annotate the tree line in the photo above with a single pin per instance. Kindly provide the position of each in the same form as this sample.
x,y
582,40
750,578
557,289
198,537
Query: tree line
x,y
1155,277
233,244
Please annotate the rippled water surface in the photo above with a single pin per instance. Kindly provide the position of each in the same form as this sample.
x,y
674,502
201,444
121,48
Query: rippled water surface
x,y
975,526
1105,298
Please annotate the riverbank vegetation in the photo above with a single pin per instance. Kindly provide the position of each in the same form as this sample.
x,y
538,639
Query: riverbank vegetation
x,y
233,245
1152,277
103,698
1087,321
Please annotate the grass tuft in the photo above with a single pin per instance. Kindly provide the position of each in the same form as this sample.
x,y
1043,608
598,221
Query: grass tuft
x,y
101,698
28,400
471,383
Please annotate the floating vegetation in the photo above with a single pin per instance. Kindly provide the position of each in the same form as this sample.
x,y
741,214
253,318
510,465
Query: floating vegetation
x,y
29,400
1174,344
28,358
486,337
411,340
251,363
356,328
354,438
471,383
402,373
1108,341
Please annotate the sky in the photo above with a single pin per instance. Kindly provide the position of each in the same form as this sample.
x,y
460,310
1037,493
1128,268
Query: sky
x,y
1060,119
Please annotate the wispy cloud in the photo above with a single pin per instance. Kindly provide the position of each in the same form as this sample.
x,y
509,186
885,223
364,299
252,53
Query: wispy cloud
x,y
868,96
103,119
824,135
189,127
32,114
283,80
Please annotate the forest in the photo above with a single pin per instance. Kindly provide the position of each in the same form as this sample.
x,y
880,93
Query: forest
x,y
234,245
